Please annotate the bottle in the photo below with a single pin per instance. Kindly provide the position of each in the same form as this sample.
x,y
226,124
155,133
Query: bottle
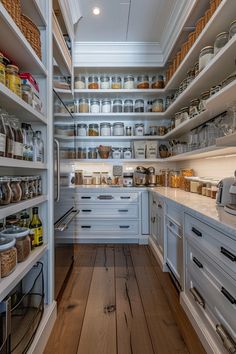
x,y
18,138
30,142
2,136
40,146
25,142
36,154
24,219
37,228
9,137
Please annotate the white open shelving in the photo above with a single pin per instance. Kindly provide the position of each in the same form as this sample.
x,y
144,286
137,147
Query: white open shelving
x,y
6,162
107,138
207,152
113,161
119,93
228,140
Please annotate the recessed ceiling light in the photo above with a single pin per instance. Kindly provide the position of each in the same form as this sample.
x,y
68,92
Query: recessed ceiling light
x,y
96,11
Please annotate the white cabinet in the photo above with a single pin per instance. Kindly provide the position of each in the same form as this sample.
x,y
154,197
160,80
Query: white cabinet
x,y
157,221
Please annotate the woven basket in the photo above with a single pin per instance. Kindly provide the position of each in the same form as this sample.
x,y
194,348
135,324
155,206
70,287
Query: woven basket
x,y
32,34
14,9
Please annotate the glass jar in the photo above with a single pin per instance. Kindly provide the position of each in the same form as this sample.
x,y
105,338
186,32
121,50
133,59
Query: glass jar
x,y
178,120
9,137
143,82
184,114
193,109
8,255
158,82
16,192
118,129
83,105
116,153
2,70
214,90
104,82
82,129
203,98
76,106
71,153
129,82
22,239
13,80
139,106
80,82
104,177
232,29
93,130
106,106
96,178
127,153
175,179
190,76
184,183
139,129
220,41
105,129
165,173
3,134
128,131
128,106
168,101
149,106
93,83
81,153
5,191
92,153
24,184
157,105
94,106
153,130
161,130
206,55
117,106
32,187
116,83
27,94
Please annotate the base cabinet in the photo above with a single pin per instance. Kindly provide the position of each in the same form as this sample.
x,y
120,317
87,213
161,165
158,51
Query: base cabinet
x,y
157,221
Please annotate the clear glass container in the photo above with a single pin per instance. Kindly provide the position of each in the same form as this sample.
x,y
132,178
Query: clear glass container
x,y
5,191
139,129
93,83
129,82
206,55
128,131
92,153
80,82
32,187
157,105
106,106
81,153
220,41
139,106
128,106
8,255
153,130
83,105
82,129
127,153
143,82
158,82
93,130
117,106
232,29
94,106
175,179
165,173
2,70
27,94
116,83
13,80
149,106
203,98
116,153
118,129
104,82
9,137
184,183
105,129
96,178
193,109
25,188
16,192
161,130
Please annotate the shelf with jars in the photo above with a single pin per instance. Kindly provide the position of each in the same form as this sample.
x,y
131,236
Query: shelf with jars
x,y
228,140
119,92
9,162
112,161
113,116
108,138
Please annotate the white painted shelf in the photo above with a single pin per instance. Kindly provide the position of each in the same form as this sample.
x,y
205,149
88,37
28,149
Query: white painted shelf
x,y
120,93
210,151
107,138
14,43
14,208
228,140
66,94
8,283
114,161
33,10
146,116
15,105
223,99
6,162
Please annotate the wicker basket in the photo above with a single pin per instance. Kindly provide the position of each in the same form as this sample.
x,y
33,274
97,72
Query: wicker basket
x,y
14,9
32,34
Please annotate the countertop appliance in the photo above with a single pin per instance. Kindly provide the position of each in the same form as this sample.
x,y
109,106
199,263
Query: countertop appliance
x,y
151,177
140,176
223,195
231,206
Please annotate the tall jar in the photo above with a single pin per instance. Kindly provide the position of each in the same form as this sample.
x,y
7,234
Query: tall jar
x,y
83,105
82,129
2,70
93,129
128,106
129,82
139,106
18,139
184,183
104,82
13,80
157,105
117,106
9,137
206,55
116,83
165,173
8,256
106,106
25,188
16,192
5,191
175,179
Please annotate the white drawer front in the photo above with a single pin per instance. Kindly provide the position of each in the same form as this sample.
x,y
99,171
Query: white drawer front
x,y
123,211
174,250
107,197
111,227
214,243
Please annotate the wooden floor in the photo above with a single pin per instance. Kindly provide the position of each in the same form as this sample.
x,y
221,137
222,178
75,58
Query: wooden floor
x,y
118,301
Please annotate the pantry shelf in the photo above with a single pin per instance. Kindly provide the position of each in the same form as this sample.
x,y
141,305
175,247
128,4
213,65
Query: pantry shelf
x,y
14,208
8,283
33,10
223,99
6,162
66,94
113,116
113,161
16,46
228,140
219,22
119,93
15,105
107,138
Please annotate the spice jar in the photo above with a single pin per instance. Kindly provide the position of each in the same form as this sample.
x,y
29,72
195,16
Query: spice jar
x,y
139,105
193,109
2,70
105,129
8,255
116,82
232,29
143,82
117,106
22,241
27,94
220,41
158,82
139,129
13,80
93,130
203,98
80,82
81,153
175,179
5,191
106,106
116,153
93,83
104,82
82,129
92,153
127,152
128,106
206,55
24,184
16,192
157,105
83,105
129,82
118,129
94,106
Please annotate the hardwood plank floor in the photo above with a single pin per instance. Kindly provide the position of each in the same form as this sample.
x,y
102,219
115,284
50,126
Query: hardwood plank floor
x,y
114,303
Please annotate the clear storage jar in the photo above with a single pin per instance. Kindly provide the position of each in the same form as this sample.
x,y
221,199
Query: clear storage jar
x,y
118,129
203,98
82,129
143,82
139,129
83,105
139,106
116,83
93,83
8,255
106,106
117,106
206,55
93,129
81,153
158,82
193,109
175,179
232,29
13,80
92,153
104,82
127,153
16,192
116,153
149,106
220,41
80,82
129,82
25,188
22,241
105,129
128,106
128,131
157,105
94,106
27,94
2,70
5,191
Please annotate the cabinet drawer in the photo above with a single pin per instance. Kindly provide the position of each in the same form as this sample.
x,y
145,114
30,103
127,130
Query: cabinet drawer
x,y
214,243
157,202
174,249
124,211
112,227
107,197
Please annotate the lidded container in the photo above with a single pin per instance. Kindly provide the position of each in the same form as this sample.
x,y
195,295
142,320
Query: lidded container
x,y
2,70
139,129
232,29
175,179
92,153
8,255
139,106
203,98
80,82
93,82
104,82
13,80
93,129
116,83
127,153
105,129
220,41
27,94
106,106
94,105
82,153
129,82
96,178
3,134
117,106
128,131
116,153
5,191
193,109
128,106
118,129
22,241
24,184
83,105
206,55
158,82
157,105
82,129
143,82
16,192
165,173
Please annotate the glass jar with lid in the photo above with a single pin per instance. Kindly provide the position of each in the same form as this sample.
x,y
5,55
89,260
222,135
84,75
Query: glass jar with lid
x,y
139,129
139,106
13,80
8,255
27,94
149,106
220,41
184,114
3,134
161,130
83,105
175,179
5,191
80,82
94,105
32,187
165,173
106,106
23,243
24,184
116,153
127,153
92,153
128,106
232,29
96,178
93,129
184,183
116,83
190,76
158,82
143,82
157,105
117,106
2,70
82,153
93,82
206,55
203,98
118,129
104,82
129,82
105,129
193,109
128,131
82,129
16,192
153,130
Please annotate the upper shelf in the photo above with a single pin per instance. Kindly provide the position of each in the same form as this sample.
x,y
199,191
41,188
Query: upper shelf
x,y
219,22
7,162
16,46
33,10
119,93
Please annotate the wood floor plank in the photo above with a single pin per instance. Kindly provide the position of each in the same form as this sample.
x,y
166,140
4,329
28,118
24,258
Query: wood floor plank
x,y
99,327
165,335
132,331
190,337
66,332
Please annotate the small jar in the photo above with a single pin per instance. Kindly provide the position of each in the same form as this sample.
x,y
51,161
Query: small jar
x,y
203,98
139,106
83,105
5,191
232,29
104,82
105,129
106,106
117,106
118,129
116,83
93,130
194,186
96,178
143,82
116,153
175,179
220,41
168,101
184,114
129,82
8,255
13,80
206,55
94,106
128,106
153,130
128,131
128,179
149,106
157,105
32,187
158,82
214,90
161,130
127,153
92,153
2,70
22,239
214,190
27,93
81,153
80,82
193,109
139,129
82,129
16,192
25,188
93,83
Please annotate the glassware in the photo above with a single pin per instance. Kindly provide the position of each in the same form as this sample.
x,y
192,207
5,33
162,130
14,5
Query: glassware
x,y
104,82
16,192
232,29
83,105
206,55
93,83
105,129
106,106
80,82
116,82
117,106
139,105
220,41
143,82
5,191
94,106
128,106
118,129
157,105
129,82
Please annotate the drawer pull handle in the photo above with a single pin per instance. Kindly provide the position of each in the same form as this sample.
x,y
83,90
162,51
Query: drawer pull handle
x,y
86,227
105,197
123,210
228,254
197,297
124,197
124,226
228,295
196,232
85,197
228,342
196,261
86,210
